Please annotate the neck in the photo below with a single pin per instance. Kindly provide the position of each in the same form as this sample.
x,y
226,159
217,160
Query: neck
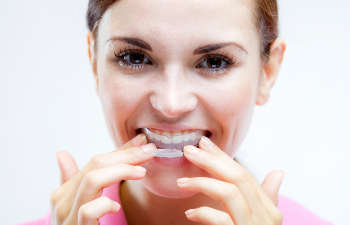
x,y
143,207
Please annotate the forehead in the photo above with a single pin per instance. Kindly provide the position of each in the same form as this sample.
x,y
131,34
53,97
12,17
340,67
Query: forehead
x,y
181,21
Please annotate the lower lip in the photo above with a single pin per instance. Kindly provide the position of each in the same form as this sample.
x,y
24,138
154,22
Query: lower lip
x,y
179,161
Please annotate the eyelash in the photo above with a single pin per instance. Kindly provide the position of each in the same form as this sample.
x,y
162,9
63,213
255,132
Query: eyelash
x,y
122,61
126,52
228,61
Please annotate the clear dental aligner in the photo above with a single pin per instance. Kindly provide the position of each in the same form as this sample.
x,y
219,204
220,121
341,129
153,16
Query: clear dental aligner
x,y
168,153
170,145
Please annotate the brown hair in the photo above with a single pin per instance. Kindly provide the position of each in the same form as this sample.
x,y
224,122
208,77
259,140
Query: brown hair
x,y
266,20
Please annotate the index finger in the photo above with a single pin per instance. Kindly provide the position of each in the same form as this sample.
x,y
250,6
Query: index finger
x,y
134,142
224,168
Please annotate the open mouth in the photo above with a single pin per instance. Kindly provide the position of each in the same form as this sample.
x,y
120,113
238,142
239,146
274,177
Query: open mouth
x,y
171,144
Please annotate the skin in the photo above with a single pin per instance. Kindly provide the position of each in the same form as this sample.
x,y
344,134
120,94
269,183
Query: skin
x,y
173,91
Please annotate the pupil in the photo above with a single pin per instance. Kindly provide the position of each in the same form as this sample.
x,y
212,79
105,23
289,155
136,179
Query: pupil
x,y
136,58
214,62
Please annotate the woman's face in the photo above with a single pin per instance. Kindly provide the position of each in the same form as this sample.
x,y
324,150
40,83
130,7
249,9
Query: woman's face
x,y
194,64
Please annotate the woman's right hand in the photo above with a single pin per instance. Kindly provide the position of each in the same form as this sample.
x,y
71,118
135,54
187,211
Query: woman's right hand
x,y
78,200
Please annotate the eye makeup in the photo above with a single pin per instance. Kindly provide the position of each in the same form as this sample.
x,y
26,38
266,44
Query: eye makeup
x,y
218,62
132,58
135,60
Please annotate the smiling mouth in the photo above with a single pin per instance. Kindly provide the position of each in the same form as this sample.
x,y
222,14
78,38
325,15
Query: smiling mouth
x,y
171,144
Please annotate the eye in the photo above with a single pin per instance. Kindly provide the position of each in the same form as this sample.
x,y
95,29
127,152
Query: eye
x,y
133,59
215,64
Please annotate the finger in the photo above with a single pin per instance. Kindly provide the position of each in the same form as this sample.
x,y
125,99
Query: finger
x,y
209,216
132,155
271,185
226,169
90,212
67,165
136,141
226,193
206,144
94,181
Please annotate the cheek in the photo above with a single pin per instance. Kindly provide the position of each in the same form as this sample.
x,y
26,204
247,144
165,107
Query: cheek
x,y
232,103
120,96
232,99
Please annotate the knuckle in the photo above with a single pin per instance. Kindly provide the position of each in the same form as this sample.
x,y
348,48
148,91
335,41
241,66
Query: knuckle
x,y
224,219
60,214
97,161
241,176
133,153
84,214
53,200
124,168
128,154
232,191
278,217
90,179
54,197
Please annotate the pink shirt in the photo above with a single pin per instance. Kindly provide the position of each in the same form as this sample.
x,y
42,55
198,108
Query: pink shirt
x,y
293,212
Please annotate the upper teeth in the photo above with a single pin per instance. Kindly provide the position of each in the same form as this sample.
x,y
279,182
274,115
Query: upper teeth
x,y
172,133
167,138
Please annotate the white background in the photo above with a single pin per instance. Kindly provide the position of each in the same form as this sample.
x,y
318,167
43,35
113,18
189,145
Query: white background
x,y
48,103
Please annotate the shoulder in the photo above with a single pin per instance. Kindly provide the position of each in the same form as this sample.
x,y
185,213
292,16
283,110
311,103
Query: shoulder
x,y
294,213
46,220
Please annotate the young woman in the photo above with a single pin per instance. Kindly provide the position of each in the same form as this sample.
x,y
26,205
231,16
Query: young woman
x,y
178,82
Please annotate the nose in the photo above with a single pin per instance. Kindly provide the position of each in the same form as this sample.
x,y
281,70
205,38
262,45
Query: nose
x,y
173,96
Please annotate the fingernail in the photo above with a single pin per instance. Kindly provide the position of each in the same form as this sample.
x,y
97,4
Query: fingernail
x,y
117,205
182,181
149,148
191,149
140,169
139,139
206,141
189,212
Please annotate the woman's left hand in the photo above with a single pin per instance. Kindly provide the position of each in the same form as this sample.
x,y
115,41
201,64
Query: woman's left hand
x,y
246,202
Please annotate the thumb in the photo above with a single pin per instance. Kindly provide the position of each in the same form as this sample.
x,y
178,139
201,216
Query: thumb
x,y
67,165
272,184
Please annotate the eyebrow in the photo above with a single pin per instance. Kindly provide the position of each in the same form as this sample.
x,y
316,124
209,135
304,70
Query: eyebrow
x,y
132,41
213,47
200,50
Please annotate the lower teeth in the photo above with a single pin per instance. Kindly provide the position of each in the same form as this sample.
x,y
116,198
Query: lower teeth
x,y
168,153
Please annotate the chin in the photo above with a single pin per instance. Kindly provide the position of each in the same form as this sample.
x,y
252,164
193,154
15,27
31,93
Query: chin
x,y
166,191
161,179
